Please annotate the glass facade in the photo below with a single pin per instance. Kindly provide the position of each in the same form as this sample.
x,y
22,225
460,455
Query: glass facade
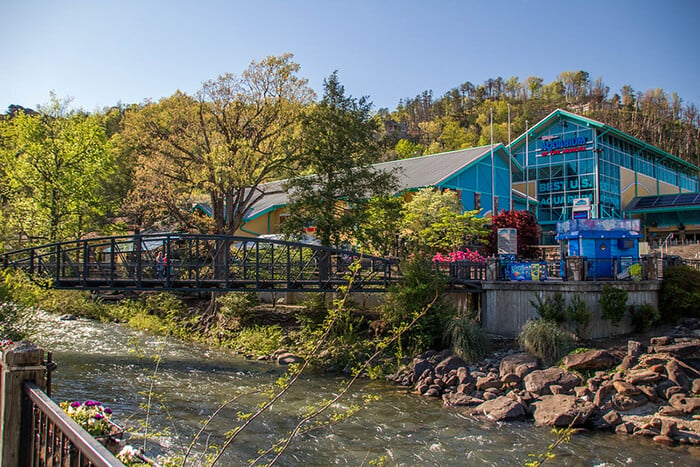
x,y
571,159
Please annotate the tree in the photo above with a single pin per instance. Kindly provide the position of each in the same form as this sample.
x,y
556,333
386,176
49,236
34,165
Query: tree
x,y
379,233
56,164
406,149
528,232
338,144
433,220
236,133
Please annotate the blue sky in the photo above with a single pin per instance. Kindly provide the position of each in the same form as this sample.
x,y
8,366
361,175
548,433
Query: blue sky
x,y
103,52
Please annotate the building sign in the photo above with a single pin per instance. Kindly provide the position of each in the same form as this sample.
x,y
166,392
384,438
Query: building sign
x,y
558,200
573,183
552,147
581,208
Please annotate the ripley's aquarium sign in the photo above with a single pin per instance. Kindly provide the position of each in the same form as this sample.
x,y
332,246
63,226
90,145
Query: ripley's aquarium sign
x,y
552,147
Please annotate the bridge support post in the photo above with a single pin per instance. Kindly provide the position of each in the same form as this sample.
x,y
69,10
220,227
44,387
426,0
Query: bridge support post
x,y
20,362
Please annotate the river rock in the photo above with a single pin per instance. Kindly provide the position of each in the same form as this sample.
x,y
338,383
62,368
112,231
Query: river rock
x,y
677,375
511,379
626,389
644,377
661,340
689,405
450,363
696,386
612,418
625,403
539,381
680,350
520,364
603,394
627,362
501,408
634,349
591,360
432,392
664,440
561,410
420,365
489,381
288,358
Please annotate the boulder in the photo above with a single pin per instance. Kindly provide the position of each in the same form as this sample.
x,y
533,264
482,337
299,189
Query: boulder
x,y
603,393
489,381
591,360
460,400
464,376
664,440
634,349
450,363
511,379
501,408
626,389
520,364
644,377
539,381
420,365
288,358
612,418
696,386
689,405
677,374
432,392
661,340
561,410
680,350
626,403
627,363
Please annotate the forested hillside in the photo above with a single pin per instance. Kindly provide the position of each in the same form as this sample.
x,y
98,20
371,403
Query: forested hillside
x,y
460,118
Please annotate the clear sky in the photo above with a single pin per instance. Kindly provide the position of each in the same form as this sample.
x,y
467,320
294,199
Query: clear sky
x,y
101,52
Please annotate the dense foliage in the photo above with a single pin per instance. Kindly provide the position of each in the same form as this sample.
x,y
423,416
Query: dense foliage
x,y
680,293
545,340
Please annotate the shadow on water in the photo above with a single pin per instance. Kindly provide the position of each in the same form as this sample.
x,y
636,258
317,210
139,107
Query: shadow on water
x,y
114,364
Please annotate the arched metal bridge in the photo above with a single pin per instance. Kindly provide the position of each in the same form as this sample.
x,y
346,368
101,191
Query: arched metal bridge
x,y
197,263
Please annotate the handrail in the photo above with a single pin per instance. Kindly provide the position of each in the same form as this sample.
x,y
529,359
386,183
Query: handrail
x,y
88,446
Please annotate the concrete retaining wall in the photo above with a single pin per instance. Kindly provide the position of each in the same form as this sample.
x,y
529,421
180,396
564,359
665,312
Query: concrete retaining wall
x,y
506,306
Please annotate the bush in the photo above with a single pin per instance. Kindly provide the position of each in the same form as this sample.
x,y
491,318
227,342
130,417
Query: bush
x,y
419,287
15,321
644,317
236,309
577,313
680,293
545,340
613,303
315,310
551,308
260,340
467,339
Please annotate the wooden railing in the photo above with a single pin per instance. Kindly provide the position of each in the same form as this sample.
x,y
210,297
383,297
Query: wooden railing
x,y
34,430
57,439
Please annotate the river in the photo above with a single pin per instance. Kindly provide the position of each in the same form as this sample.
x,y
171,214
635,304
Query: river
x,y
114,364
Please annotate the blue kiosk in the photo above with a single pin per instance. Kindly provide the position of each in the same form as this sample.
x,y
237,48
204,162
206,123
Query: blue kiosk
x,y
608,246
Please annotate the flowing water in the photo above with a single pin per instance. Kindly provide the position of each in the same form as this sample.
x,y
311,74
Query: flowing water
x,y
114,364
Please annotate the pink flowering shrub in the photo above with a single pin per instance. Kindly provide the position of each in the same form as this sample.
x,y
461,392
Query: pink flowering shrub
x,y
468,255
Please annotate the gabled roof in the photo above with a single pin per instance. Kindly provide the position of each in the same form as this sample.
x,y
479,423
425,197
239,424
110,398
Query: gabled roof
x,y
558,114
413,173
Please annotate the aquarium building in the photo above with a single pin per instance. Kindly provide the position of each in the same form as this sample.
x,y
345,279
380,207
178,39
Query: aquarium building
x,y
577,167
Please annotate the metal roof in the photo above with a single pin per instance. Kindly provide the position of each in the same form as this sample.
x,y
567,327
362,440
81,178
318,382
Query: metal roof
x,y
412,173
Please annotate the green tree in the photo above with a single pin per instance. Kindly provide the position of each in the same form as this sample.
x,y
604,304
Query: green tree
x,y
433,220
235,134
56,164
379,233
338,144
405,149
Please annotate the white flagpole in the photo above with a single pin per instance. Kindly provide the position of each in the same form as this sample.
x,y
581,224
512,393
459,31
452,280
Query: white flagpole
x,y
493,169
510,168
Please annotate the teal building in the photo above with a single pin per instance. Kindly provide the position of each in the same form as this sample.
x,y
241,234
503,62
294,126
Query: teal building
x,y
576,166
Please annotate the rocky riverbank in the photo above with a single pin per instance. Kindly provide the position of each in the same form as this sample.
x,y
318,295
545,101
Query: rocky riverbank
x,y
649,389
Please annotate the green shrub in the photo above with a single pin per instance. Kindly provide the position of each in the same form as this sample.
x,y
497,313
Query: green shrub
x,y
467,339
236,308
551,308
579,315
545,340
15,321
644,317
314,310
419,287
680,293
260,340
613,303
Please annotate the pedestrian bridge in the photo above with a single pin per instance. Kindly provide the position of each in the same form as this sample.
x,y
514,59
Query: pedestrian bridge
x,y
197,263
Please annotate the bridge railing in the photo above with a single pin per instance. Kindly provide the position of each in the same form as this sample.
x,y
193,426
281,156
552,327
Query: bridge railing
x,y
187,261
